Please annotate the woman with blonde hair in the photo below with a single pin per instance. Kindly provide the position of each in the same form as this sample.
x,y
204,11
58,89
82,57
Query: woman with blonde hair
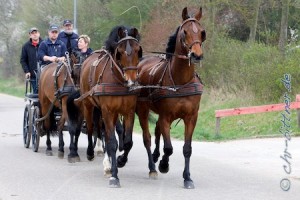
x,y
83,46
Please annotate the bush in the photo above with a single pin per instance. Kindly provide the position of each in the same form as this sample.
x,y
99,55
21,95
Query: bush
x,y
234,66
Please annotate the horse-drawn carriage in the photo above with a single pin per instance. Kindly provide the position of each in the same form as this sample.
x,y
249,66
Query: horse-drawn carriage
x,y
169,87
29,132
33,127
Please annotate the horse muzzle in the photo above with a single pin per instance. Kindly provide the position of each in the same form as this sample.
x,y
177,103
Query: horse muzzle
x,y
195,58
129,83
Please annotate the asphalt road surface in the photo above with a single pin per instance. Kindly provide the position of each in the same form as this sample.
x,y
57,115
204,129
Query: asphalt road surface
x,y
235,170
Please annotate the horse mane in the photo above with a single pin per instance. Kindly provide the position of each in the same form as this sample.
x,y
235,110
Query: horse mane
x,y
171,44
113,38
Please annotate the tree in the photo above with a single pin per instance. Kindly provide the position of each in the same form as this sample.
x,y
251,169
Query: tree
x,y
9,36
253,26
283,26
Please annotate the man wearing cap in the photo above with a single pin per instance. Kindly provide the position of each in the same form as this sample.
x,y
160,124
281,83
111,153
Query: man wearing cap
x,y
28,58
68,36
52,49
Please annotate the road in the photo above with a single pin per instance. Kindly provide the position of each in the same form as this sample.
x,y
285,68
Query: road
x,y
236,170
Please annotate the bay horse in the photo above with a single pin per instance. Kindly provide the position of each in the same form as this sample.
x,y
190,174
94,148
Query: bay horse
x,y
173,91
55,84
105,78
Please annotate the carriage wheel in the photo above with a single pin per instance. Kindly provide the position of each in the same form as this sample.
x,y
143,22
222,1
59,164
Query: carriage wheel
x,y
27,122
36,129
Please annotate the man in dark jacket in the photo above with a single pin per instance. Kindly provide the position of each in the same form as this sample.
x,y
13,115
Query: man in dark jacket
x,y
68,36
29,57
52,49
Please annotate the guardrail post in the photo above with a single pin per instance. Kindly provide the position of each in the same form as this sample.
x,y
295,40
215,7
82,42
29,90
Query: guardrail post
x,y
218,123
298,110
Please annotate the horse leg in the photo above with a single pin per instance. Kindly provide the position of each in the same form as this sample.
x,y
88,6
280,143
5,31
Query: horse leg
x,y
89,126
106,165
120,132
156,152
164,125
75,120
111,146
48,143
98,129
74,130
190,123
128,122
45,106
61,125
61,145
143,114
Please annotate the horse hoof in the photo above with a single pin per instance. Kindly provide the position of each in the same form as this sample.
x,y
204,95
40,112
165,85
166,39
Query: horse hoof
x,y
60,154
114,182
71,160
153,175
121,161
163,167
90,158
107,173
77,159
100,153
189,184
49,153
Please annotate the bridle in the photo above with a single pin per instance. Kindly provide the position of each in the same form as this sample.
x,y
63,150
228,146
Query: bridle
x,y
182,38
128,51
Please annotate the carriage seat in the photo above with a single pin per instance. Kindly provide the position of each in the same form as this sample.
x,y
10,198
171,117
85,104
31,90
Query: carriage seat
x,y
32,95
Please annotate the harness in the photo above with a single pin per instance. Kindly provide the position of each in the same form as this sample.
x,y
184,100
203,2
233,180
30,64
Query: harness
x,y
64,90
118,88
158,91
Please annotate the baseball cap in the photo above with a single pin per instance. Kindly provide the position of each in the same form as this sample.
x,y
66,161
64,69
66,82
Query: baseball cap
x,y
33,29
67,21
53,28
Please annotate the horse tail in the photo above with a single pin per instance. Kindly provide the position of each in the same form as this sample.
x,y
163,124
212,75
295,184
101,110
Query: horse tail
x,y
75,116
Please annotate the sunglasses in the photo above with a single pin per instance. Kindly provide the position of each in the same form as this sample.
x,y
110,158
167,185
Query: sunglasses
x,y
54,31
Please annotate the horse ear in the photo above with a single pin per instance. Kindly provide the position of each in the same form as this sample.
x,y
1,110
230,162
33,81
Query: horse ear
x,y
185,14
199,14
203,35
121,33
118,55
140,53
134,33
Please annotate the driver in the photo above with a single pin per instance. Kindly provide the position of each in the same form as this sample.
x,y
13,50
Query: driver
x,y
52,49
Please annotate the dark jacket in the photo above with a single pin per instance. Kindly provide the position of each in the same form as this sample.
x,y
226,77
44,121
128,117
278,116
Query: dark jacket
x,y
73,39
47,48
82,56
28,58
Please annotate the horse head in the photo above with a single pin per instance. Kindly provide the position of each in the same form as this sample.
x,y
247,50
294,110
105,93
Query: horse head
x,y
127,53
75,62
191,35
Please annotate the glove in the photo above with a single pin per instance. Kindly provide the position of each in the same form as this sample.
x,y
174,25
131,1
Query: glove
x,y
27,75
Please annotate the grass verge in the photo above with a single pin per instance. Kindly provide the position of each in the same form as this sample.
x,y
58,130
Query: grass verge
x,y
234,127
12,86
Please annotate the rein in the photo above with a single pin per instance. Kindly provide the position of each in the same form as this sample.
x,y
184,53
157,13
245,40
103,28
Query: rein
x,y
188,56
99,87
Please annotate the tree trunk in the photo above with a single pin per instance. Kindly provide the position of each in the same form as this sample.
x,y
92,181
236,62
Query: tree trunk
x,y
284,25
253,27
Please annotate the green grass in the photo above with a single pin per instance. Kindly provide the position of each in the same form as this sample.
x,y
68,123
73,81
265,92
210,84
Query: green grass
x,y
12,86
233,127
